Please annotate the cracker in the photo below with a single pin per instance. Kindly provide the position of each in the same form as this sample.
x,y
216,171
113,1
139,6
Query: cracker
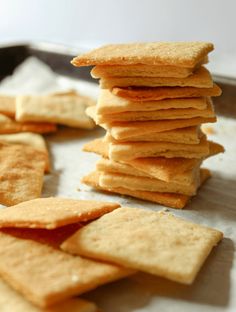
x,y
178,113
155,242
98,146
53,212
184,54
141,70
8,125
45,275
177,170
177,201
189,135
7,105
141,183
108,103
160,93
66,110
126,130
201,78
11,300
21,173
131,150
31,139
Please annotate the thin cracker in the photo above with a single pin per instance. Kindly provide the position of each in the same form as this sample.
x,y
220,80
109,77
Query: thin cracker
x,y
21,173
201,78
154,242
185,54
53,212
27,264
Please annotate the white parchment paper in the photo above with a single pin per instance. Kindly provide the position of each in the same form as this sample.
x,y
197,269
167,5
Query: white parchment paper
x,y
215,206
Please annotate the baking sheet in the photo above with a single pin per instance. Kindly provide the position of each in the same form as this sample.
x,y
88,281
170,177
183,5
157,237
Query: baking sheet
x,y
215,206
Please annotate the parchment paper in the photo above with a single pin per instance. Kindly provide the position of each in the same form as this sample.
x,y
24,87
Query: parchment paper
x,y
215,206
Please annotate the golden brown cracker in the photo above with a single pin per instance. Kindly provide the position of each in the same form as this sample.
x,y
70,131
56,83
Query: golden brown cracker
x,y
98,146
155,242
11,300
126,130
8,125
53,212
142,183
131,150
7,105
66,110
31,139
167,114
108,103
26,265
177,201
189,135
21,173
185,54
160,93
201,78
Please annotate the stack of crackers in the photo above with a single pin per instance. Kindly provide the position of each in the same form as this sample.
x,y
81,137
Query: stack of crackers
x,y
53,249
154,98
23,151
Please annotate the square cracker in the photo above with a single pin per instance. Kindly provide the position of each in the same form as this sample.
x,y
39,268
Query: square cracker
x,y
34,140
185,54
66,110
8,125
108,103
149,184
201,78
21,173
141,70
177,201
154,242
53,212
7,105
131,150
189,135
160,93
11,300
178,170
45,275
166,114
126,130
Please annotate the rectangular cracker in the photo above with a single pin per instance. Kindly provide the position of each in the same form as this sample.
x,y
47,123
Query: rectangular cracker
x,y
167,114
8,125
177,170
141,183
172,200
34,140
66,110
160,93
131,150
154,242
201,78
141,70
26,264
11,300
21,173
189,135
126,130
7,105
108,103
183,54
53,212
